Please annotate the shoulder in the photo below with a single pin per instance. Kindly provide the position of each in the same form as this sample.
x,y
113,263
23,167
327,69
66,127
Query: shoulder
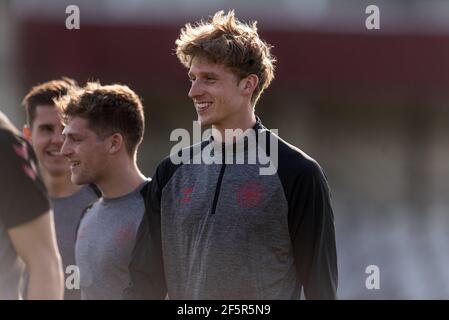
x,y
295,162
169,165
6,124
94,206
18,170
8,140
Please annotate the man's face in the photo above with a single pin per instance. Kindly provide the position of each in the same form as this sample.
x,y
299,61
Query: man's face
x,y
47,139
216,93
86,152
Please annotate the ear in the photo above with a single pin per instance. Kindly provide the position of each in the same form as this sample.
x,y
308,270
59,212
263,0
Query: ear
x,y
116,143
249,84
26,132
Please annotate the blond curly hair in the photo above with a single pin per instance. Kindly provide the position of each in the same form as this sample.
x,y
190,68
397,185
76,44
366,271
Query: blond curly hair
x,y
225,40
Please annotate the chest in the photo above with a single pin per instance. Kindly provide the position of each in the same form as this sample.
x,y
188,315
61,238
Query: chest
x,y
230,199
106,237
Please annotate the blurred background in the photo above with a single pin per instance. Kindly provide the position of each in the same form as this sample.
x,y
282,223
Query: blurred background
x,y
371,106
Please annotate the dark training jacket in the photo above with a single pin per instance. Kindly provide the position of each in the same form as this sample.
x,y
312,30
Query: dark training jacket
x,y
224,231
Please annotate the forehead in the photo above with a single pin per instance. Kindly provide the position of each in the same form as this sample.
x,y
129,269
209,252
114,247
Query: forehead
x,y
77,125
47,114
203,65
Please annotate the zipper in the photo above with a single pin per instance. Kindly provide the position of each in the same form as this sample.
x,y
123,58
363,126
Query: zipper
x,y
217,189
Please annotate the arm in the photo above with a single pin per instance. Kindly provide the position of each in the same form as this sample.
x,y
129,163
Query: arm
x,y
147,278
25,213
35,243
311,224
146,268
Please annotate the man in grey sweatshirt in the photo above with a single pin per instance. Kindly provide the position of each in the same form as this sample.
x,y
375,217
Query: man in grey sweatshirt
x,y
104,127
218,228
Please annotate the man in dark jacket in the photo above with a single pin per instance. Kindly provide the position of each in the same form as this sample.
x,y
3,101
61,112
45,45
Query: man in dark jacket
x,y
219,228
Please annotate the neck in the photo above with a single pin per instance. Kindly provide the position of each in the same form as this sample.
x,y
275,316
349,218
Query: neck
x,y
243,122
59,186
123,179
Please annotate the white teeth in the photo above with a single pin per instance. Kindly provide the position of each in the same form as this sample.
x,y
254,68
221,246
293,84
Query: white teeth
x,y
53,153
74,163
202,105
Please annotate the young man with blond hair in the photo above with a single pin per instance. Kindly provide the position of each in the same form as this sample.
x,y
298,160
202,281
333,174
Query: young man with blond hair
x,y
222,230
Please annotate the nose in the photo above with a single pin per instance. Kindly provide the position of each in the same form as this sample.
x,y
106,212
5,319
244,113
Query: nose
x,y
66,149
57,138
196,90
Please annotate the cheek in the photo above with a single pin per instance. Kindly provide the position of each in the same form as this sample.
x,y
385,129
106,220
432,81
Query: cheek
x,y
94,154
230,96
230,103
40,142
81,151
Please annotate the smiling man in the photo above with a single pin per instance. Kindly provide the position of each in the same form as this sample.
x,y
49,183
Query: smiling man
x,y
224,230
104,128
44,131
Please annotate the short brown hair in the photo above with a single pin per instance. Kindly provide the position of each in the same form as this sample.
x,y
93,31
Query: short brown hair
x,y
44,94
226,40
108,109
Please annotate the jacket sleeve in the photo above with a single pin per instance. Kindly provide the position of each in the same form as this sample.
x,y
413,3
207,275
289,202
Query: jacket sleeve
x,y
23,196
311,226
147,279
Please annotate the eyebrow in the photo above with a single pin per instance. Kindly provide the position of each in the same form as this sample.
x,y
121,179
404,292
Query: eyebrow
x,y
207,74
71,134
44,125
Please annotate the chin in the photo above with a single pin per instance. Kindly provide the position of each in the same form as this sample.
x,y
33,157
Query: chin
x,y
78,180
59,173
58,170
205,122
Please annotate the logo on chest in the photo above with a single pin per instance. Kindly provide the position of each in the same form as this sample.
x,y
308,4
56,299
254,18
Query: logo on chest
x,y
125,234
250,194
186,195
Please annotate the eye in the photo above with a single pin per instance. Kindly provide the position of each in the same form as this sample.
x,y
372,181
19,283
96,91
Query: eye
x,y
46,129
73,139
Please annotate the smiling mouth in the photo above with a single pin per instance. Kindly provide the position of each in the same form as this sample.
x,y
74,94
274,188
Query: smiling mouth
x,y
53,153
74,164
202,107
